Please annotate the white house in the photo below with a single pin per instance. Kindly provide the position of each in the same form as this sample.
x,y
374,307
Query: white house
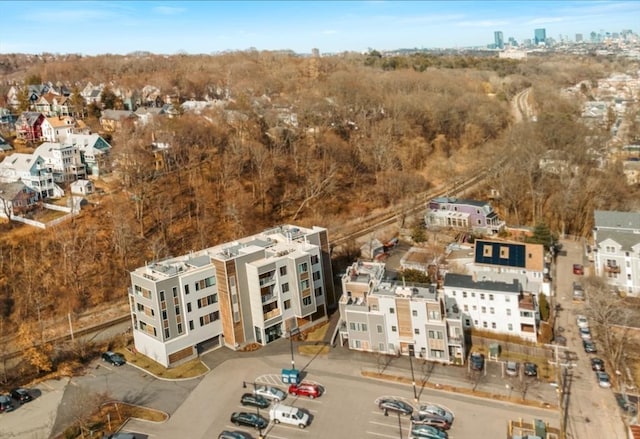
x,y
56,128
33,171
63,161
95,152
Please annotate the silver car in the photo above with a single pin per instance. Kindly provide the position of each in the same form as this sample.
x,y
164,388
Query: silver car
x,y
436,410
271,393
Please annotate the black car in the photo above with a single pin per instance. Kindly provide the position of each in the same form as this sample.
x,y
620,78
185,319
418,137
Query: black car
x,y
113,358
6,404
476,361
589,347
531,369
597,364
396,406
21,395
249,420
234,435
254,400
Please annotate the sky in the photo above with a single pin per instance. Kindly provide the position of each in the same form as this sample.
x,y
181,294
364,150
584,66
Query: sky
x,y
209,27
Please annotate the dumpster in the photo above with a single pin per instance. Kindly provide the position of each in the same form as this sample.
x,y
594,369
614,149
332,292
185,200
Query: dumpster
x,y
290,376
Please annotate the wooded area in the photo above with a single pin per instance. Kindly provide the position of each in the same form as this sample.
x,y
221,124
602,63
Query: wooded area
x,y
370,135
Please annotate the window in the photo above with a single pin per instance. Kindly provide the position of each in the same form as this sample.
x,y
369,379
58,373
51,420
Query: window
x,y
164,315
466,307
283,271
352,326
191,326
205,283
285,288
484,324
363,327
492,310
392,311
161,295
416,331
177,310
473,294
481,296
474,307
304,285
188,306
493,325
303,268
142,292
464,294
180,328
434,315
467,322
484,310
504,252
316,275
475,322
507,299
186,289
356,344
487,251
314,259
490,296
287,304
414,312
379,329
374,307
174,291
381,347
209,318
394,329
166,333
453,293
318,292
306,301
510,326
209,300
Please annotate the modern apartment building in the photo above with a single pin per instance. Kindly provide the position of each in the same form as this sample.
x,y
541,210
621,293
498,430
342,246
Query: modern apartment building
x,y
477,216
490,302
498,40
378,315
616,238
254,290
539,36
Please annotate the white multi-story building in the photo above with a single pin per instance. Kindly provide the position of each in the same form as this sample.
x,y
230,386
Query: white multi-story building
x,y
33,171
63,160
378,315
490,303
616,237
254,290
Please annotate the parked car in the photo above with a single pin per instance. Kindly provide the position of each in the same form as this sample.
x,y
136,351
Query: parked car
x,y
396,406
585,333
234,435
603,379
432,420
305,389
254,400
289,415
6,404
123,435
582,321
578,269
21,395
625,404
249,420
113,358
427,432
476,361
560,340
512,368
531,369
578,291
597,364
271,393
433,409
589,347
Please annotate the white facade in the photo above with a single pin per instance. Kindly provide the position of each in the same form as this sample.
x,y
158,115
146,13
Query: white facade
x,y
63,160
616,237
32,170
491,305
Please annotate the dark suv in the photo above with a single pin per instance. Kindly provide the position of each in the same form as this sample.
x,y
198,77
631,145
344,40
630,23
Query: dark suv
x,y
21,395
476,361
113,358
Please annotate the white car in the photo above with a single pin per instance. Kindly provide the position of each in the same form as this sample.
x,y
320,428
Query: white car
x,y
271,393
603,379
582,322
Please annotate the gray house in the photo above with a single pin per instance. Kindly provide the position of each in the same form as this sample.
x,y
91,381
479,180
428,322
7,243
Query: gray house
x,y
477,216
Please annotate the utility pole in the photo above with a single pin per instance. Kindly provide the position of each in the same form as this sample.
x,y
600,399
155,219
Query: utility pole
x,y
412,352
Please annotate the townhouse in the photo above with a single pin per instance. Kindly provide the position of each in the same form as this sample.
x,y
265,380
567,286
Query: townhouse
x,y
254,290
616,238
477,216
63,161
495,302
95,152
33,171
387,317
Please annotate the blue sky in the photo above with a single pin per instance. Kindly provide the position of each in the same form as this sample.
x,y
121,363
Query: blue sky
x,y
169,27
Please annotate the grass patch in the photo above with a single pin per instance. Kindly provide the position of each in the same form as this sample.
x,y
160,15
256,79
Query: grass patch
x,y
313,349
318,333
190,369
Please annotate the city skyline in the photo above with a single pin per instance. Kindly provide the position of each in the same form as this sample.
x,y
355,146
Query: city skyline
x,y
170,27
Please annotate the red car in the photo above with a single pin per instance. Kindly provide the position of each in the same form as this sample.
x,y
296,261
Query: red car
x,y
305,389
578,269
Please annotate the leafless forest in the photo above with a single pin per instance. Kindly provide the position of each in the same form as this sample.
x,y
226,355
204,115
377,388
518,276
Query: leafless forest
x,y
372,132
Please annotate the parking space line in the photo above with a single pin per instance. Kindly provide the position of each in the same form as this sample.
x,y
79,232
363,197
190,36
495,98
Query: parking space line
x,y
289,427
394,425
380,434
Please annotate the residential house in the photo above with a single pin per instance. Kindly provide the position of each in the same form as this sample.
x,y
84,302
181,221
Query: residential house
x,y
492,303
56,128
33,171
616,238
29,127
477,216
113,120
13,97
7,120
388,317
514,258
63,161
95,152
91,93
254,290
82,187
16,198
146,114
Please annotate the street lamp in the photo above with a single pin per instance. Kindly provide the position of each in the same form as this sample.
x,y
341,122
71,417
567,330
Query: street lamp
x,y
412,352
292,332
244,386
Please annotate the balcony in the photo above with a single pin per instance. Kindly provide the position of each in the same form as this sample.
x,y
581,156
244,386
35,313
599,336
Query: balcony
x,y
266,281
271,314
267,298
454,340
612,269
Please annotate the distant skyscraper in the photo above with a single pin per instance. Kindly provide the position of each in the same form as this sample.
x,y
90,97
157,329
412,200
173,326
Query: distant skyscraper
x,y
498,39
578,38
540,36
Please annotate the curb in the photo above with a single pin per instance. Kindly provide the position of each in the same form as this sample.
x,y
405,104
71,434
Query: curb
x,y
142,369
